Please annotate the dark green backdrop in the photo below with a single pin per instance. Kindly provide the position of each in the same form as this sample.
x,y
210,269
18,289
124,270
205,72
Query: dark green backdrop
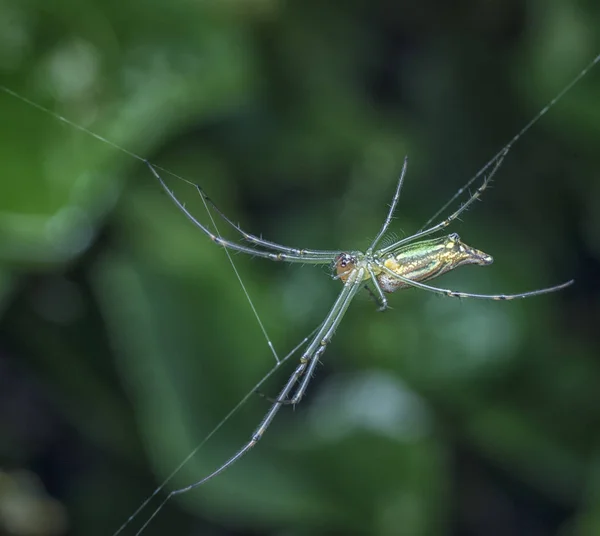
x,y
125,336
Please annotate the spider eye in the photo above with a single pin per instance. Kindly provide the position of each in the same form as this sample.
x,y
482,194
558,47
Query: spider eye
x,y
344,264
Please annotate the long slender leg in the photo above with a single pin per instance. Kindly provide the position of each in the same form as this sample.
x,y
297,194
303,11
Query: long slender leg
x,y
379,295
454,294
322,339
443,224
261,241
316,346
256,435
394,203
227,417
319,344
319,259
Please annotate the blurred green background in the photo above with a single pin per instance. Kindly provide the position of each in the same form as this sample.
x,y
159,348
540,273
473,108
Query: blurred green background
x,y
125,336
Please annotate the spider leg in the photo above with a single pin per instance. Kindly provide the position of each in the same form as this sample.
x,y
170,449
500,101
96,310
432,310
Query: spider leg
x,y
310,357
394,203
227,417
379,295
454,294
319,344
443,224
256,435
258,241
228,244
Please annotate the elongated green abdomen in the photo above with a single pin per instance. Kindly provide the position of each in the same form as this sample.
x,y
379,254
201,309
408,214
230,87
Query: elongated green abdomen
x,y
428,259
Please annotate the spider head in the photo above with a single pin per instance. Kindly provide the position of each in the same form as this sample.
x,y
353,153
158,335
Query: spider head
x,y
343,265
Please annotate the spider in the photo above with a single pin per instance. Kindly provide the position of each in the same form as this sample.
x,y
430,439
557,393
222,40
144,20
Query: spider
x,y
405,263
408,262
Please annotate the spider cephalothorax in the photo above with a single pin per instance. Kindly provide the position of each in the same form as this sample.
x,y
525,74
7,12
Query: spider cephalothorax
x,y
343,264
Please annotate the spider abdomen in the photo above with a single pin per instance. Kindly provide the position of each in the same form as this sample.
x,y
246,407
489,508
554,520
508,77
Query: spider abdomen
x,y
426,260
